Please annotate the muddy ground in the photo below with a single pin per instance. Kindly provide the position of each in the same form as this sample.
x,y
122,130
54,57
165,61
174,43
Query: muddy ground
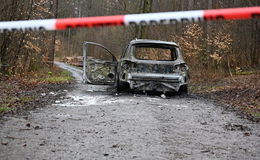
x,y
91,122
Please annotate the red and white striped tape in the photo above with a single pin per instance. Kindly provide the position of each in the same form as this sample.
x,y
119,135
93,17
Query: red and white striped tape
x,y
132,19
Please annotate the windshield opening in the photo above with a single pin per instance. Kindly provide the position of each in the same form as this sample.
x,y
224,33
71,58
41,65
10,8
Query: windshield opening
x,y
156,52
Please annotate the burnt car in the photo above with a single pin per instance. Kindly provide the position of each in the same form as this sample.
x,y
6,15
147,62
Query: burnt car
x,y
145,65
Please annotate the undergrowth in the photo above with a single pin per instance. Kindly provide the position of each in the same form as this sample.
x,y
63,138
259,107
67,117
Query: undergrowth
x,y
241,91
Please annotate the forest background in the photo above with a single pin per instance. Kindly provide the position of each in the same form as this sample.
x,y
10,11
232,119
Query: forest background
x,y
211,49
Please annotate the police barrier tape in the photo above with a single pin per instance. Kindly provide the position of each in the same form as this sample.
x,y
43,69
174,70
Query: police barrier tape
x,y
132,19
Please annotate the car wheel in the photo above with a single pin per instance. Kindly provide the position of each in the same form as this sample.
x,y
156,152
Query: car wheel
x,y
121,86
183,90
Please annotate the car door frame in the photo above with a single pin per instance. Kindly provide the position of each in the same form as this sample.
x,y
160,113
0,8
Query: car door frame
x,y
85,56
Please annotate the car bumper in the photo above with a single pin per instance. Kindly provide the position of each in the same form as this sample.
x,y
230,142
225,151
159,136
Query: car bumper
x,y
156,82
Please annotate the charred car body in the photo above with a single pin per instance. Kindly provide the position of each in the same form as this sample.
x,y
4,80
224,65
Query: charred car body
x,y
145,65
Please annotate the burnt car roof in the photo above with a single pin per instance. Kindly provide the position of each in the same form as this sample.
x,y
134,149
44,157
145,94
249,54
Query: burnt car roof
x,y
137,41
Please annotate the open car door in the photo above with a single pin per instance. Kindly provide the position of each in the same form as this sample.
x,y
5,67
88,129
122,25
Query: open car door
x,y
97,70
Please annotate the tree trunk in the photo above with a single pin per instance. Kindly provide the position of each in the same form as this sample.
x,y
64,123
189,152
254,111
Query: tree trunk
x,y
53,40
145,7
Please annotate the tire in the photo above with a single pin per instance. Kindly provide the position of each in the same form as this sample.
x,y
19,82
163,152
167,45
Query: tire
x,y
183,90
118,87
121,86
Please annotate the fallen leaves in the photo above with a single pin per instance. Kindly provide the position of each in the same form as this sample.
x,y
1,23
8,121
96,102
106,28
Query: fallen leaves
x,y
242,94
29,89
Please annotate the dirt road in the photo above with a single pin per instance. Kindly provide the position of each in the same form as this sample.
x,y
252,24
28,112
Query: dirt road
x,y
92,123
